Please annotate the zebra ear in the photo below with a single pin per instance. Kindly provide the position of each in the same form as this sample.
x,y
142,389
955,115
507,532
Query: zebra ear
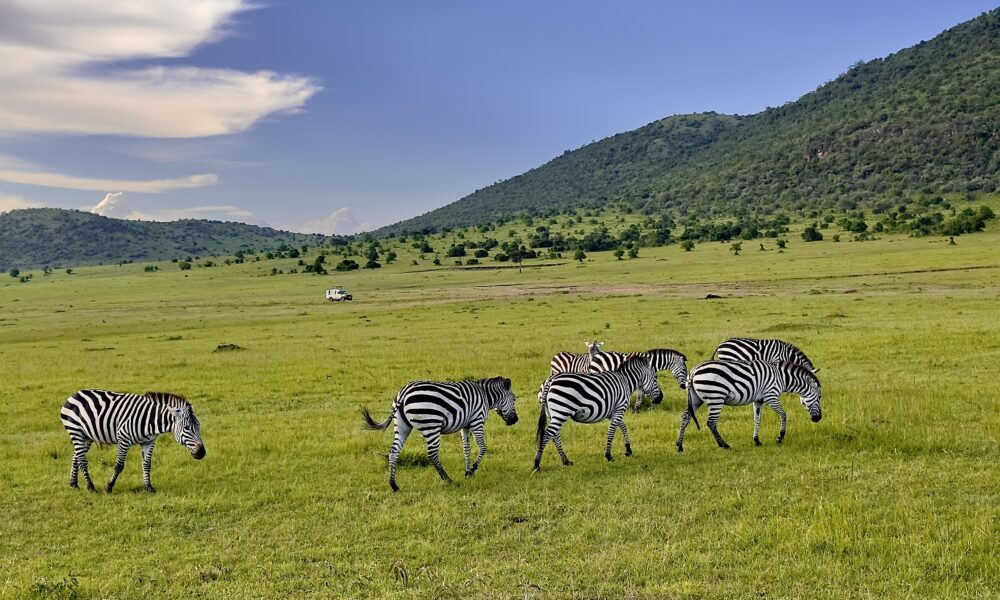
x,y
815,371
507,383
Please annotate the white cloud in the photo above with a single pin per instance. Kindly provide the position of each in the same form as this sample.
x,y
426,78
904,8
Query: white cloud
x,y
151,186
60,71
117,206
339,222
8,203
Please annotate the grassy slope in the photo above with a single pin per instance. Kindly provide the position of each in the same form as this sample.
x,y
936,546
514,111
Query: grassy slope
x,y
894,493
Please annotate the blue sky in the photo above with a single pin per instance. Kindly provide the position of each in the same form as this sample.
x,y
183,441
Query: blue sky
x,y
334,116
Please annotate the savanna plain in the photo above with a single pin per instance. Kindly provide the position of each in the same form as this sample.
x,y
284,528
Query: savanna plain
x,y
895,493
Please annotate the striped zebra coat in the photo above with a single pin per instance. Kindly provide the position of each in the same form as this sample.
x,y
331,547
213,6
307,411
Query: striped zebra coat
x,y
766,350
661,359
437,408
126,420
736,383
570,362
592,398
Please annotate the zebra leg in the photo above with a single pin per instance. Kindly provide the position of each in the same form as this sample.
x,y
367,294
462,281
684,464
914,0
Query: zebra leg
x,y
74,467
467,449
616,420
638,402
80,449
775,405
714,410
628,443
562,454
433,448
119,465
401,432
480,436
756,422
147,465
551,433
694,403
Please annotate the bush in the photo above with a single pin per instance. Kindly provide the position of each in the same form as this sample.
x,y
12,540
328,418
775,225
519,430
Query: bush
x,y
184,265
14,272
688,245
482,253
811,234
150,268
579,255
347,265
472,261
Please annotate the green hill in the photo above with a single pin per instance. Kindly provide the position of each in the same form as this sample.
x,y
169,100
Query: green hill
x,y
923,121
54,237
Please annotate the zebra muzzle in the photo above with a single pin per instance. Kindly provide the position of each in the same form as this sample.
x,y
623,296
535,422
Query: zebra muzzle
x,y
199,453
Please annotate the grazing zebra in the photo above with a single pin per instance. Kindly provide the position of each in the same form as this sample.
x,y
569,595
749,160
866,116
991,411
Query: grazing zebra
x,y
737,383
570,362
766,350
591,398
435,408
661,359
126,420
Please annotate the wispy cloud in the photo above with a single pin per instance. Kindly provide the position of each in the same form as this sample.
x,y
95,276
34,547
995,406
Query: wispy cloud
x,y
117,206
60,71
9,202
151,186
339,222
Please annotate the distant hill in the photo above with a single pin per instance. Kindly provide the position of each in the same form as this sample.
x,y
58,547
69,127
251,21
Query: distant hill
x,y
36,237
924,120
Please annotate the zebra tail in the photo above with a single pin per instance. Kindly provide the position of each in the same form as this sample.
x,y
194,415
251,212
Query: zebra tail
x,y
371,424
690,407
540,432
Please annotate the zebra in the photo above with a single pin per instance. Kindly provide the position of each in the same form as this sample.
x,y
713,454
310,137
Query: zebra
x,y
125,420
736,383
570,362
661,359
591,398
435,408
766,350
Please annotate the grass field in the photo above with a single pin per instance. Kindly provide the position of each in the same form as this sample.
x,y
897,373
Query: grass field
x,y
895,493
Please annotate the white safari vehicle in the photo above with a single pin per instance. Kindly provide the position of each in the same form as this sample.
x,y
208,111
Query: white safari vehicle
x,y
338,294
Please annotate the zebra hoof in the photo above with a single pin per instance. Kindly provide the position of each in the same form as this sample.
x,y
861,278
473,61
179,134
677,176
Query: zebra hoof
x,y
395,488
628,451
150,489
469,473
680,447
609,457
91,488
567,463
781,438
725,446
109,488
74,485
756,442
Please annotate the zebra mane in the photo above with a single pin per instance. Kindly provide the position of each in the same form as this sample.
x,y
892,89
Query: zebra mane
x,y
499,379
800,370
168,398
668,351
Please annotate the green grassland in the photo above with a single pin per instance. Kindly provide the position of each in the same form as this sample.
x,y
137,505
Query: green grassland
x,y
895,493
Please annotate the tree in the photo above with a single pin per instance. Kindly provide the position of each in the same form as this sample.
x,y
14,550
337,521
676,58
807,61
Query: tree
x,y
390,257
811,234
633,252
736,248
14,272
580,255
373,255
781,243
517,257
688,245
619,253
184,265
347,265
69,271
372,264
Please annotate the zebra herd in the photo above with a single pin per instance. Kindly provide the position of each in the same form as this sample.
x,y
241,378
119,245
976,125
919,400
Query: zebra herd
x,y
598,386
587,388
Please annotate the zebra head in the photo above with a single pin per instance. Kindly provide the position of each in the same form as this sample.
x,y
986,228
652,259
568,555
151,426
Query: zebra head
x,y
502,399
802,380
664,359
640,370
187,430
593,347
